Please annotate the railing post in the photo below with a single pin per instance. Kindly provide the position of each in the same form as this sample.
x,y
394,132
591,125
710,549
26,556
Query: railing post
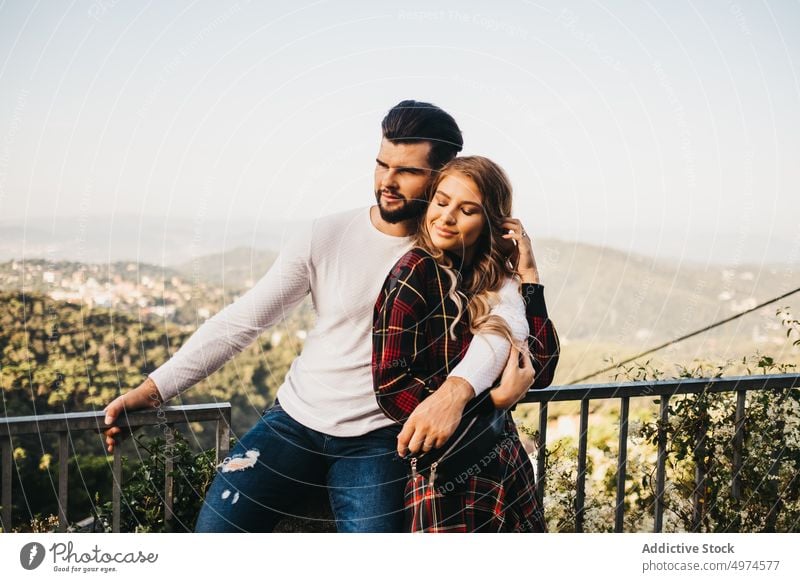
x,y
700,469
65,425
580,486
63,480
223,435
541,451
663,420
774,468
622,462
116,494
772,492
6,464
169,482
738,444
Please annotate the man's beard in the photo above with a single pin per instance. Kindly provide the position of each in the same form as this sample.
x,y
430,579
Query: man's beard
x,y
409,209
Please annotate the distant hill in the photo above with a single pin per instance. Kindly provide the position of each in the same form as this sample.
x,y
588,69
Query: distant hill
x,y
594,293
602,294
163,241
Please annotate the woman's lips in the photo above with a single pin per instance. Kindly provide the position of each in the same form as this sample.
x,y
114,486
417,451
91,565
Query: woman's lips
x,y
442,232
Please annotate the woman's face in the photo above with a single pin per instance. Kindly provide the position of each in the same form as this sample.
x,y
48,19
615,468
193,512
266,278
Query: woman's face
x,y
455,217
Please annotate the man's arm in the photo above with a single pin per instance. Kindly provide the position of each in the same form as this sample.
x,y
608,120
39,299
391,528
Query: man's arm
x,y
234,328
538,360
226,334
543,345
487,353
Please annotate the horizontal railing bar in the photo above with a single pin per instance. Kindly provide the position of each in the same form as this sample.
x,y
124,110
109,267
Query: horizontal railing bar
x,y
662,387
19,425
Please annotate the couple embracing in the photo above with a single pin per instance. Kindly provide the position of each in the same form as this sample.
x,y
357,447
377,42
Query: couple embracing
x,y
431,325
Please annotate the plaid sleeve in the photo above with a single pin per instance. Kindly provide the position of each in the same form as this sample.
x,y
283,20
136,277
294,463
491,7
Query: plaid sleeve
x,y
543,339
398,337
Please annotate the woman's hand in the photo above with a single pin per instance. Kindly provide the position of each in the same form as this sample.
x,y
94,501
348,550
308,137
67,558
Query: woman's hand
x,y
521,253
515,381
146,395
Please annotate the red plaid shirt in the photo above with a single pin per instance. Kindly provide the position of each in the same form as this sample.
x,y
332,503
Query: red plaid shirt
x,y
413,353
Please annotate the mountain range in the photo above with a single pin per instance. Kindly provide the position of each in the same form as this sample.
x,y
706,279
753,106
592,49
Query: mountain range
x,y
594,292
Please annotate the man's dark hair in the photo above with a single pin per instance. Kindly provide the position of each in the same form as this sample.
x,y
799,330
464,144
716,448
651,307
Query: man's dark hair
x,y
416,121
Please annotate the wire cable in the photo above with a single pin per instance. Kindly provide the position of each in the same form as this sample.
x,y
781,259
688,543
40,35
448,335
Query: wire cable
x,y
684,337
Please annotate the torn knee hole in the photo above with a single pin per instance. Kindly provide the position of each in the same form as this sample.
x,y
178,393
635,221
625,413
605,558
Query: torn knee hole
x,y
240,462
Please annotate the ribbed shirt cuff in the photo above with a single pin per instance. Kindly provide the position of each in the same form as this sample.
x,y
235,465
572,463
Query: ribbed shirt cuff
x,y
481,370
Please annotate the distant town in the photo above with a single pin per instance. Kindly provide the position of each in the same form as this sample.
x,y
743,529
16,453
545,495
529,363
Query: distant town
x,y
141,290
594,294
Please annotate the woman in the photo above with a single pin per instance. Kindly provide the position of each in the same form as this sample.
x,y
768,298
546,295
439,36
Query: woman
x,y
436,297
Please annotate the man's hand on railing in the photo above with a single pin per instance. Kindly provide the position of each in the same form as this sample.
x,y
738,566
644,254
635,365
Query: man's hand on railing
x,y
146,395
516,379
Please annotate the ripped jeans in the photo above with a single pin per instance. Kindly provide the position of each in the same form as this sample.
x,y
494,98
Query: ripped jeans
x,y
273,467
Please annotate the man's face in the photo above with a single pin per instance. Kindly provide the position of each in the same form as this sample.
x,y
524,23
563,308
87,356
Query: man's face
x,y
402,174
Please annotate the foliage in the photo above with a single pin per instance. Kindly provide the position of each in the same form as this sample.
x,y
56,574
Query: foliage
x,y
142,506
700,448
58,357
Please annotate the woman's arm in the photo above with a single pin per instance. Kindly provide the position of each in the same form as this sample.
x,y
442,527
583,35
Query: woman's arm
x,y
543,340
398,337
536,366
487,353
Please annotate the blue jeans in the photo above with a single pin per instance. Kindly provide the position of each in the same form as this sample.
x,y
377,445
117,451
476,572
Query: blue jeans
x,y
279,461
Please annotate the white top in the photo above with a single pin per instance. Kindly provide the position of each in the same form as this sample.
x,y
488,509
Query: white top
x,y
343,261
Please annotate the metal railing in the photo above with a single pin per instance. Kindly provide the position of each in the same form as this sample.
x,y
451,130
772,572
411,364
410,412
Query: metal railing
x,y
66,424
665,389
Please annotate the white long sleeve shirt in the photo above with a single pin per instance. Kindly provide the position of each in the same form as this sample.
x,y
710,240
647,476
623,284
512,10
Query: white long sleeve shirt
x,y
343,261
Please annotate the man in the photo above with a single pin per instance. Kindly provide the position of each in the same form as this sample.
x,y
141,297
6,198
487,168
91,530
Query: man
x,y
326,428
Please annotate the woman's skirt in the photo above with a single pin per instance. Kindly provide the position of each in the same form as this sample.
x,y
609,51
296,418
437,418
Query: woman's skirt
x,y
497,494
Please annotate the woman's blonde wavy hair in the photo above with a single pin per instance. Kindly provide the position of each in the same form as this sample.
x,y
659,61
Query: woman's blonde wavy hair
x,y
490,267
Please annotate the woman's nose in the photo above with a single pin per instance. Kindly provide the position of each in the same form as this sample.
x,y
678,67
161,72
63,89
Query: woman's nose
x,y
447,216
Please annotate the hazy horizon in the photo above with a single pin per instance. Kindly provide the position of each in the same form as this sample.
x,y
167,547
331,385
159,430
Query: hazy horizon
x,y
120,237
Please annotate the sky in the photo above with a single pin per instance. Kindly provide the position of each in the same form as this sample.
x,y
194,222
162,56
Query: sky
x,y
669,129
